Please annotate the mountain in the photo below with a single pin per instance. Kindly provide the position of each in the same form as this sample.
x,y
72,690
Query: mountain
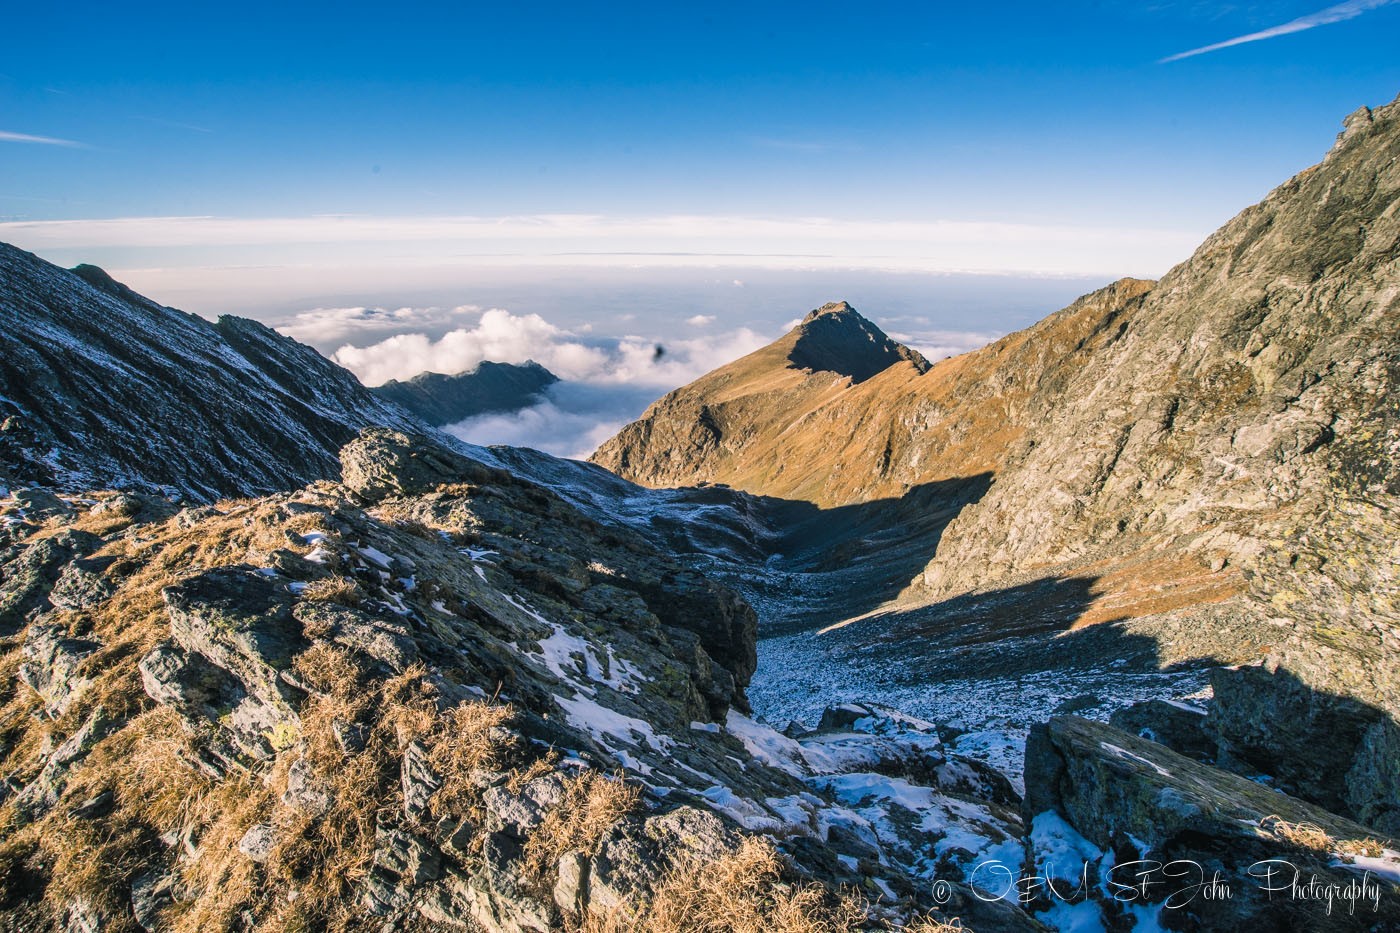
x,y
1108,620
490,388
1200,470
764,423
102,387
1171,425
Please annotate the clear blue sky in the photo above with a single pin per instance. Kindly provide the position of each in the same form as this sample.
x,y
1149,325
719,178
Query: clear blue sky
x,y
1023,112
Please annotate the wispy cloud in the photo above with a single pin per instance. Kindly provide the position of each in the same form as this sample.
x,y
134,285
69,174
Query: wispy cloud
x,y
7,137
1333,14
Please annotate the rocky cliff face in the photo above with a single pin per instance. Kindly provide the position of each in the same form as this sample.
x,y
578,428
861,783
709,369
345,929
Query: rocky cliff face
x,y
102,387
492,387
433,696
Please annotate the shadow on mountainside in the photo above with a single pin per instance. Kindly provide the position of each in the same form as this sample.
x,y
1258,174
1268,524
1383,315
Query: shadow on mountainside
x,y
830,564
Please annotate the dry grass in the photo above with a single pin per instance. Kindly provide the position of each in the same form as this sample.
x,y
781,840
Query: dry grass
x,y
741,892
468,738
159,784
1303,835
592,806
342,590
1314,838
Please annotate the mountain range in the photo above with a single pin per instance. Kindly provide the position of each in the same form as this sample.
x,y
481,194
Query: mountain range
x,y
834,638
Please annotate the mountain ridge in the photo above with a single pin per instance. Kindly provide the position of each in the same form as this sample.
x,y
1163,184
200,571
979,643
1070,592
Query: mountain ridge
x,y
489,388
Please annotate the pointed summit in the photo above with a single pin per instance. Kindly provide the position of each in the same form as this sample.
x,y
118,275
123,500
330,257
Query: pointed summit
x,y
748,422
835,338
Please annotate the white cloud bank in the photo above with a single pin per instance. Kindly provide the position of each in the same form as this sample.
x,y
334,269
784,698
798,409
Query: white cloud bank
x,y
315,244
502,337
1333,14
608,382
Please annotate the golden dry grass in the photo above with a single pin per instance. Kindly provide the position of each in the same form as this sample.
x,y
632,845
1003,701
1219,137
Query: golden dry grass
x,y
1312,837
743,891
159,785
592,806
342,590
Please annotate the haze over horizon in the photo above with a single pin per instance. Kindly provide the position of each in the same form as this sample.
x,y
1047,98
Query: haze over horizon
x,y
576,185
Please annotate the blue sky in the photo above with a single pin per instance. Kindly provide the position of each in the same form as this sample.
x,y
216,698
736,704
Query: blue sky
x,y
266,161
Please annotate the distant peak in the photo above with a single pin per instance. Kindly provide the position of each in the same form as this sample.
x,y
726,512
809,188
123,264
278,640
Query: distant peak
x,y
836,338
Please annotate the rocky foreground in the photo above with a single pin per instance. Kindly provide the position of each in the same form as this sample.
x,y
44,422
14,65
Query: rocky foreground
x,y
434,695
431,694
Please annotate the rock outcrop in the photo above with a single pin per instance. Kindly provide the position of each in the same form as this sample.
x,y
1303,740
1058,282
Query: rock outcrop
x,y
434,695
1130,828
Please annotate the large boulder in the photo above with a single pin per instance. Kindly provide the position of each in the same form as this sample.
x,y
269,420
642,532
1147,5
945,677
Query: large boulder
x,y
1166,836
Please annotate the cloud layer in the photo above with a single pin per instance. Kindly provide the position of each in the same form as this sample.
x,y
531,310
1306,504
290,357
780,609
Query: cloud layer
x,y
598,241
500,336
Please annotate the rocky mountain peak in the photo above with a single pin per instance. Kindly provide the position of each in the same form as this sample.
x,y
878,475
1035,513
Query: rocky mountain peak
x,y
836,338
831,307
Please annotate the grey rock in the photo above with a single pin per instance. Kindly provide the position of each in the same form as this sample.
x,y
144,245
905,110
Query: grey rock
x,y
39,503
418,781
51,665
1138,799
519,813
151,893
570,890
411,860
43,793
305,790
258,842
81,585
27,579
1180,729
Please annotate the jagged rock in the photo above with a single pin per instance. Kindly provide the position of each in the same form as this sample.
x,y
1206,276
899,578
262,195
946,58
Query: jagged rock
x,y
241,623
82,585
387,641
633,861
1179,726
409,859
1137,800
44,792
418,781
138,507
384,463
28,578
519,813
51,666
38,503
151,893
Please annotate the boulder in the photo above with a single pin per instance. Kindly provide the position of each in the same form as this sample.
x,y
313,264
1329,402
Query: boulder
x,y
1168,827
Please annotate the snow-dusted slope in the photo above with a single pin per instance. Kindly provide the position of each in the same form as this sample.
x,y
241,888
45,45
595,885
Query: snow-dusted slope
x,y
110,388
